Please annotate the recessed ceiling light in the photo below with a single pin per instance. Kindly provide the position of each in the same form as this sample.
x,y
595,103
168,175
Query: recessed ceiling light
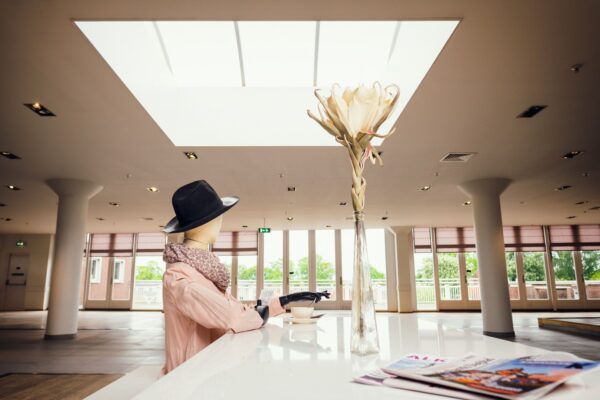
x,y
148,219
327,226
467,203
575,68
191,155
582,202
571,217
114,204
13,187
424,188
290,218
561,188
8,219
152,189
594,208
2,205
572,154
522,202
161,226
10,155
384,218
39,109
100,218
244,226
531,111
343,203
291,188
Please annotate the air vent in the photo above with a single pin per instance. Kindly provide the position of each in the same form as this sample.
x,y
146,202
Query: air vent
x,y
457,157
531,112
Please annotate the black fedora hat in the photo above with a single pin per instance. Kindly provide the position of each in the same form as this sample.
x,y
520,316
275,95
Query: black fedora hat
x,y
195,204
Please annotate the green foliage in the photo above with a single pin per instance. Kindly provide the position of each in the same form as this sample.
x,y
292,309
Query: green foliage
x,y
534,266
591,264
151,271
274,271
564,266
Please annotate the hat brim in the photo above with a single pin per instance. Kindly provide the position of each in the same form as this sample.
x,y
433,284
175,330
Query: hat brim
x,y
173,226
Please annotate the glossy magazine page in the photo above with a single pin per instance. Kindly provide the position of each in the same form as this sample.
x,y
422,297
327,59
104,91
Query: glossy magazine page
x,y
521,378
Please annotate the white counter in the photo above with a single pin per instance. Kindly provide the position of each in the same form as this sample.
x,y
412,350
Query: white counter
x,y
313,362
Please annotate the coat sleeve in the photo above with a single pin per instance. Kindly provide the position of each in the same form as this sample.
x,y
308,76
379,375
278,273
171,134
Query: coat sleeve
x,y
209,308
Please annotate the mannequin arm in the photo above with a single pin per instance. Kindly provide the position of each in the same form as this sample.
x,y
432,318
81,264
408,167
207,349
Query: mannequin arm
x,y
302,296
208,307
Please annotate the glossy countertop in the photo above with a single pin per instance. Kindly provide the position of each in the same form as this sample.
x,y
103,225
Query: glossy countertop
x,y
288,361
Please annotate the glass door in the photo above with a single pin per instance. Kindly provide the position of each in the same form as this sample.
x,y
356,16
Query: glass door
x,y
326,274
110,283
566,279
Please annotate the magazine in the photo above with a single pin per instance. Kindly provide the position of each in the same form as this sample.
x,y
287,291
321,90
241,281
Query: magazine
x,y
381,378
521,378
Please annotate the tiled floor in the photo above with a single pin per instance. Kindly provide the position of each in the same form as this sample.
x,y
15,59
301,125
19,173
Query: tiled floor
x,y
527,331
118,342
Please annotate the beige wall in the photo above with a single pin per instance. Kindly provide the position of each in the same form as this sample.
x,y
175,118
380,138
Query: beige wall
x,y
34,296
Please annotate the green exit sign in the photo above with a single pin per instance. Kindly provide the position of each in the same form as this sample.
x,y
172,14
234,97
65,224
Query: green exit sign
x,y
21,243
264,230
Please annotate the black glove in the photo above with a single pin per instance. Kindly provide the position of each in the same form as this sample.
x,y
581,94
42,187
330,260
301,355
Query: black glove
x,y
310,296
263,311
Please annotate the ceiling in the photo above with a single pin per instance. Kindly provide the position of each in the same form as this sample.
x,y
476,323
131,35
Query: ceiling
x,y
503,57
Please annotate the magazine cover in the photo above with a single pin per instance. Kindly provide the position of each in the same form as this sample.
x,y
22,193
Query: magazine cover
x,y
526,377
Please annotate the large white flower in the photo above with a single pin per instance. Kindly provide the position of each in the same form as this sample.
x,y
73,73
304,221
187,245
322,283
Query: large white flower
x,y
353,117
356,112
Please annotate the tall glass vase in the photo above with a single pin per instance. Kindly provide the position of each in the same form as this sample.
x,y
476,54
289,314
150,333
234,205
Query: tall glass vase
x,y
364,338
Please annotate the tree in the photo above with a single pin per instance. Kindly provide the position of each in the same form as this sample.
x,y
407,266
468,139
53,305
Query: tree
x,y
591,264
564,268
534,266
152,271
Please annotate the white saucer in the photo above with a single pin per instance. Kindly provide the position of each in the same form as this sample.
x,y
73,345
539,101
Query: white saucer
x,y
303,320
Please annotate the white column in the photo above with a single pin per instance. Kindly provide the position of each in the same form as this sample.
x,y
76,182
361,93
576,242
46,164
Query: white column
x,y
487,216
73,199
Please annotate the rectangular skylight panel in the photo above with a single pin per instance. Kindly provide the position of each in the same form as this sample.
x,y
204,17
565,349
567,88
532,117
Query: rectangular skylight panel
x,y
278,54
131,50
418,44
201,53
351,53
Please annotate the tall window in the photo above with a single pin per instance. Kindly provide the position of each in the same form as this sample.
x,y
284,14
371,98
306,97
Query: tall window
x,y
246,285
534,267
448,267
472,271
298,248
423,262
377,265
564,275
149,270
119,271
511,273
347,263
95,269
273,256
325,261
590,261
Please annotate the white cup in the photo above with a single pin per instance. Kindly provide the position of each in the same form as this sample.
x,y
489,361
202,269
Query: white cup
x,y
302,312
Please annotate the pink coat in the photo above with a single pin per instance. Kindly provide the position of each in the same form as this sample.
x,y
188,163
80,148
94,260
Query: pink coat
x,y
197,313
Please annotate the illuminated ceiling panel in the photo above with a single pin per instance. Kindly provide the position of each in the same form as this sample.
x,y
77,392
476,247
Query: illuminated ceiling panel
x,y
228,83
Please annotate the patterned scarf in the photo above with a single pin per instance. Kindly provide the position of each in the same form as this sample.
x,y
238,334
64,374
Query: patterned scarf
x,y
203,261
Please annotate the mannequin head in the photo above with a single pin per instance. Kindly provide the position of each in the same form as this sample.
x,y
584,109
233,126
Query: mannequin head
x,y
204,235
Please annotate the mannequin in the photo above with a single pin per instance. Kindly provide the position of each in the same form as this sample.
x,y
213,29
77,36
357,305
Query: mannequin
x,y
204,235
197,307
